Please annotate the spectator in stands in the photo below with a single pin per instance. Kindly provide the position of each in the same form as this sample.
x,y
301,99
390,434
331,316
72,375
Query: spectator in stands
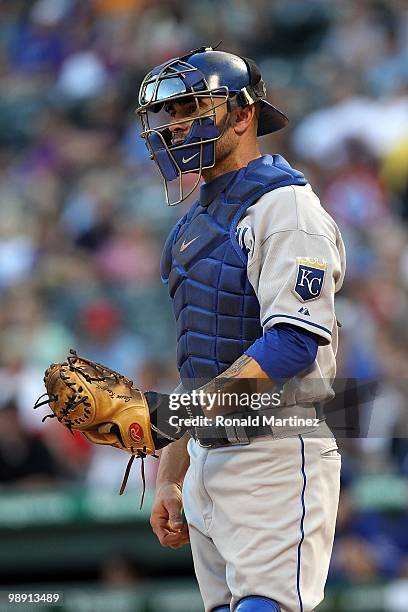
x,y
25,460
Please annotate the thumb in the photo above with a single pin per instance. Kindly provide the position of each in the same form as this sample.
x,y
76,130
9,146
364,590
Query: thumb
x,y
175,519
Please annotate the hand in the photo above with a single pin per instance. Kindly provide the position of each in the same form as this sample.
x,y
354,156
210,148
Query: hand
x,y
166,519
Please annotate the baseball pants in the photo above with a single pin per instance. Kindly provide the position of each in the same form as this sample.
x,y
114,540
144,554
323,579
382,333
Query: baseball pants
x,y
262,518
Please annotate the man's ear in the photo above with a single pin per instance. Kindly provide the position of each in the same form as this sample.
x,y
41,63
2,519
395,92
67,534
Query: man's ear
x,y
242,118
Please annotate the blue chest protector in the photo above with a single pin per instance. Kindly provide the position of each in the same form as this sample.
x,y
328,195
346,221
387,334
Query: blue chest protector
x,y
215,306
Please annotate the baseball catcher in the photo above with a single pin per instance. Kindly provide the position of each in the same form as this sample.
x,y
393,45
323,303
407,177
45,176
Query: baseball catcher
x,y
252,269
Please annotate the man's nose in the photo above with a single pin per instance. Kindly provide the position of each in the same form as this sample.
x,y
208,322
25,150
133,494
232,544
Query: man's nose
x,y
178,125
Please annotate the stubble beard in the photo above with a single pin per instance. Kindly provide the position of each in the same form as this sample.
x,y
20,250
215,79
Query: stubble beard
x,y
224,148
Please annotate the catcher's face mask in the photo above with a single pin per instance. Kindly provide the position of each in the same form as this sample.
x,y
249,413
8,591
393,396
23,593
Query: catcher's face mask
x,y
180,145
209,79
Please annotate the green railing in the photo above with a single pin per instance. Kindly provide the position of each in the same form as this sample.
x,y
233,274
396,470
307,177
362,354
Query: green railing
x,y
183,596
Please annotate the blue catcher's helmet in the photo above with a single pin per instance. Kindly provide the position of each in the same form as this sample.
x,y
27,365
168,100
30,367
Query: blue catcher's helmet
x,y
218,77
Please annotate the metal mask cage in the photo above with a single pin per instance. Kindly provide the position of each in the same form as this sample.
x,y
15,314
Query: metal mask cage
x,y
177,81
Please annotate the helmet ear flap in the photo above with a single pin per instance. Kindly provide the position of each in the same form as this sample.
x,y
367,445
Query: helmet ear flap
x,y
270,119
243,98
254,91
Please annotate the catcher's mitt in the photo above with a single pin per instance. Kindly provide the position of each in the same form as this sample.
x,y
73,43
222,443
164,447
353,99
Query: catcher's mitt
x,y
102,404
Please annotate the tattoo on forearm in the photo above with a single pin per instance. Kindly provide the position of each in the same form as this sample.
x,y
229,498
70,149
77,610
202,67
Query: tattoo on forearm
x,y
228,382
236,368
223,381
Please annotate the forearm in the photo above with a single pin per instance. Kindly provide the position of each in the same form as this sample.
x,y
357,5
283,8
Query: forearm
x,y
243,367
240,377
236,379
174,462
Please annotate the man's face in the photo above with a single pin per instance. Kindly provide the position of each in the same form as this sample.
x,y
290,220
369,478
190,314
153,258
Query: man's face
x,y
181,115
180,112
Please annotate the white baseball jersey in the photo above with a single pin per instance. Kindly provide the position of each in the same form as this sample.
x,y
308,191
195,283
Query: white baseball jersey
x,y
296,263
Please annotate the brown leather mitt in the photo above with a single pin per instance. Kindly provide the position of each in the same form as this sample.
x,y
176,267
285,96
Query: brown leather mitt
x,y
100,403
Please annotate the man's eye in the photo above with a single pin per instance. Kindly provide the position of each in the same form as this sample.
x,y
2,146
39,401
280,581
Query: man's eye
x,y
187,112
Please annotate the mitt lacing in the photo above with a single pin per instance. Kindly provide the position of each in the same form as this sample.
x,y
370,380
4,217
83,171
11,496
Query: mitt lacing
x,y
72,402
48,399
94,365
141,454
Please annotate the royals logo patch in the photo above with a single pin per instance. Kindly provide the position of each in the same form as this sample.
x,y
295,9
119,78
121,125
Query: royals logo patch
x,y
310,275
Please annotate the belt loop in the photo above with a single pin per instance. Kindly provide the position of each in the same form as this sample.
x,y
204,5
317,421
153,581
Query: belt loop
x,y
237,434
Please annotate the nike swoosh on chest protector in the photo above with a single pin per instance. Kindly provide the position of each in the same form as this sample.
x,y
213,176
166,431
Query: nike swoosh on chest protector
x,y
187,244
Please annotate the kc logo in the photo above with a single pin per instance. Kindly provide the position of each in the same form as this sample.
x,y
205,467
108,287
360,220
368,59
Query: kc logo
x,y
310,275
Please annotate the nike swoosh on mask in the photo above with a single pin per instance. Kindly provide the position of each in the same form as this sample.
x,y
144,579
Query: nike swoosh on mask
x,y
188,159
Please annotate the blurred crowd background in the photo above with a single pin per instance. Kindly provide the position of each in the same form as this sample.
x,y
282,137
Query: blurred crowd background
x,y
83,218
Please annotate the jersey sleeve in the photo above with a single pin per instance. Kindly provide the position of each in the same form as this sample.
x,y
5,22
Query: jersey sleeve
x,y
296,260
284,351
